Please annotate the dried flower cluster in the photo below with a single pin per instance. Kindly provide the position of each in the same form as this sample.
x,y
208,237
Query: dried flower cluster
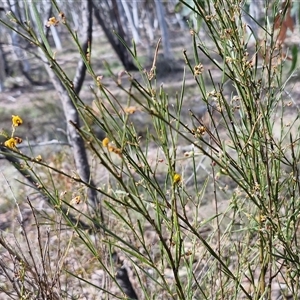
x,y
106,144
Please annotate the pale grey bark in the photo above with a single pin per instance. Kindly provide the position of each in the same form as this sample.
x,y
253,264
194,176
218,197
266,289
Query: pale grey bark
x,y
2,70
69,107
70,111
252,19
56,38
49,14
129,17
149,27
135,13
18,49
160,10
70,7
86,33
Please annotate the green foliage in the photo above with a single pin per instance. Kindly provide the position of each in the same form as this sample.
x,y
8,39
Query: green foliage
x,y
217,219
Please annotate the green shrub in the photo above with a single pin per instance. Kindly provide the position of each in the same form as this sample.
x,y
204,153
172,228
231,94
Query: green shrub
x,y
199,202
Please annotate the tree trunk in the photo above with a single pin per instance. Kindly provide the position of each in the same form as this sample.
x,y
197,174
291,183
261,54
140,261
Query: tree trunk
x,y
2,69
109,28
69,108
164,30
129,17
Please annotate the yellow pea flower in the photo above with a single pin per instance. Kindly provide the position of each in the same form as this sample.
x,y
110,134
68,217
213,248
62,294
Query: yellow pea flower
x,y
16,121
105,142
11,143
176,178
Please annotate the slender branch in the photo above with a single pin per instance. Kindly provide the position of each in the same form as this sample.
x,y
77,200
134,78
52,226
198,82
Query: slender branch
x,y
33,182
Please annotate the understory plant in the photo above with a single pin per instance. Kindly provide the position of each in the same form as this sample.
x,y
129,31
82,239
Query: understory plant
x,y
195,201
